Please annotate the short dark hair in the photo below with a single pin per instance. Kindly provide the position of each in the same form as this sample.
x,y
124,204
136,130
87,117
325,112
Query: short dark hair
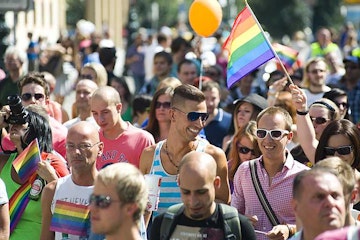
x,y
167,56
141,103
37,78
343,127
185,62
187,92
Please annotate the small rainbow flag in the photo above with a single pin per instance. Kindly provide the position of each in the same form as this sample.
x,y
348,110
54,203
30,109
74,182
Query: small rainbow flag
x,y
26,163
247,45
70,218
287,55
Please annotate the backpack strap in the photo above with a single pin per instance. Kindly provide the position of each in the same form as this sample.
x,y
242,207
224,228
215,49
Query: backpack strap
x,y
232,227
169,220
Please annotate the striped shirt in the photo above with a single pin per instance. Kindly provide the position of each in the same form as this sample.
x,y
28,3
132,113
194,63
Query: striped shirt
x,y
278,193
169,190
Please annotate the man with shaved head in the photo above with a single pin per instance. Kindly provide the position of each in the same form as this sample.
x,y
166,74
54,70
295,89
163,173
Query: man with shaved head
x,y
123,142
84,90
199,216
71,193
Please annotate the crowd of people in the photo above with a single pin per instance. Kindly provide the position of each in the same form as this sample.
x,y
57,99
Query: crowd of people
x,y
269,158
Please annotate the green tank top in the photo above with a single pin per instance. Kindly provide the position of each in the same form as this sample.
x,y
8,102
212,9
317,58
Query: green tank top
x,y
29,227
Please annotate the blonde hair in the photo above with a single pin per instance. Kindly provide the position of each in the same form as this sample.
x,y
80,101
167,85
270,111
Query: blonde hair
x,y
101,74
129,184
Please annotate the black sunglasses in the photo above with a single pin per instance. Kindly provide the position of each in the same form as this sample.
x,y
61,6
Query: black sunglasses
x,y
101,201
275,134
86,76
344,150
193,116
319,120
27,96
246,150
342,104
162,104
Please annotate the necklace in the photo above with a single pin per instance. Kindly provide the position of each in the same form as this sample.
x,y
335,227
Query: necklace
x,y
168,155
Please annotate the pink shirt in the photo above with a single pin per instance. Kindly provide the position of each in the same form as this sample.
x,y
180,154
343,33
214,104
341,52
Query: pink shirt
x,y
279,193
127,147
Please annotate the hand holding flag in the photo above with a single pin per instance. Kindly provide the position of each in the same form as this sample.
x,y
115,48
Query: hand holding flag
x,y
26,163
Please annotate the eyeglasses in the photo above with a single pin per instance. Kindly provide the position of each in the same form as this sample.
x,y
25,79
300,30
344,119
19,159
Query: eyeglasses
x,y
81,146
344,150
101,201
319,120
342,104
27,96
193,116
162,104
275,134
245,150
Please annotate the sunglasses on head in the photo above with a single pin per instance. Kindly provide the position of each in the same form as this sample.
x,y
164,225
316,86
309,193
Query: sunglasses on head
x,y
193,116
275,134
101,201
319,120
245,150
344,150
162,104
27,96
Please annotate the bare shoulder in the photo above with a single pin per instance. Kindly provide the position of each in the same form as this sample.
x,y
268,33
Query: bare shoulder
x,y
49,190
215,152
146,159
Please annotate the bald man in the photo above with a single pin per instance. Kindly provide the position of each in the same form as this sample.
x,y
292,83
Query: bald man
x,y
84,90
83,146
198,214
123,142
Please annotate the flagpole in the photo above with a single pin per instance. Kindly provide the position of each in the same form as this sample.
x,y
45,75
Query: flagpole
x,y
268,42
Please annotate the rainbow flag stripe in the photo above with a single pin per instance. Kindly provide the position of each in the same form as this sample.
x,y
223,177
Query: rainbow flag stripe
x,y
287,55
26,163
18,203
70,218
247,46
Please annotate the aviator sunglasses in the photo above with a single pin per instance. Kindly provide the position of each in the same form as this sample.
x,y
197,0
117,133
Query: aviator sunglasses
x,y
101,201
27,96
275,134
344,150
193,116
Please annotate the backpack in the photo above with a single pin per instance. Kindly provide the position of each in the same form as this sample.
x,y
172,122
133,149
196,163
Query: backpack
x,y
230,216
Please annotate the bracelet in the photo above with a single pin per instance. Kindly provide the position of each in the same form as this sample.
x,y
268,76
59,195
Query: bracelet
x,y
292,230
301,113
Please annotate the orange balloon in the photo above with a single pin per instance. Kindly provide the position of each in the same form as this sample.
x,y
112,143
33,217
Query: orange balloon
x,y
205,16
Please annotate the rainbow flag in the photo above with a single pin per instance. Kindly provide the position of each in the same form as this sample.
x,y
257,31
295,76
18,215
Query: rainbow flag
x,y
70,218
18,203
247,45
288,56
26,163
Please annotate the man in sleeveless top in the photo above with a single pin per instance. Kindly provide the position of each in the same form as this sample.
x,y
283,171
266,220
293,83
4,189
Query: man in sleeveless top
x,y
83,146
188,114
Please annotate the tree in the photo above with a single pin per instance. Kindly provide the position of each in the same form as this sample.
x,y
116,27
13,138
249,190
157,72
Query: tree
x,y
75,11
327,14
280,17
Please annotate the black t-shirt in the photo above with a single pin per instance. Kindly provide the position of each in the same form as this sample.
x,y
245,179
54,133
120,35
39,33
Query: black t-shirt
x,y
210,228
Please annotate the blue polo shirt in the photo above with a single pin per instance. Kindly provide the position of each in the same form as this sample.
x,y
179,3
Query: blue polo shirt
x,y
218,128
